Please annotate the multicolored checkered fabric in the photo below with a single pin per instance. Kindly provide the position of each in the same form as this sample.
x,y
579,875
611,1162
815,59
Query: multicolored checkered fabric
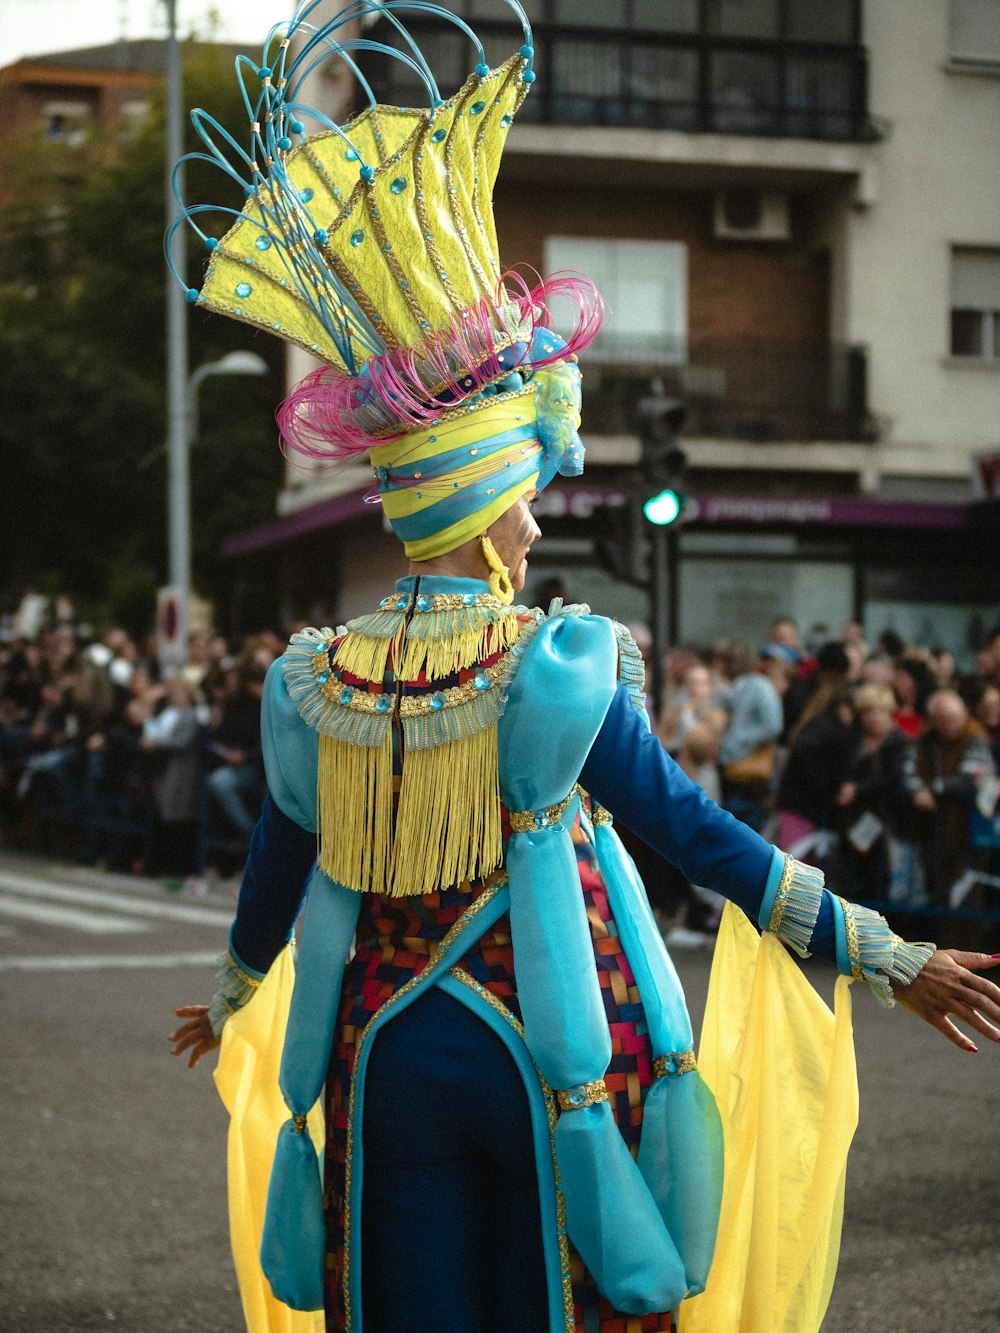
x,y
395,937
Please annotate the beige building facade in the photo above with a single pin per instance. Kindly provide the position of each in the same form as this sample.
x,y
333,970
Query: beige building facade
x,y
793,212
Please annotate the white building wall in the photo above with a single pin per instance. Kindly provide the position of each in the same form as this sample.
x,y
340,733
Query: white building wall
x,y
938,185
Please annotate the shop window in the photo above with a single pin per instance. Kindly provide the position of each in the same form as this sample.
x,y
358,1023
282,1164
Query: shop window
x,y
644,285
975,303
975,32
743,18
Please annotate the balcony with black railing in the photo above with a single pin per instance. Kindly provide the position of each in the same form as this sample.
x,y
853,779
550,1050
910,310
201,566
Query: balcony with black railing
x,y
737,389
698,81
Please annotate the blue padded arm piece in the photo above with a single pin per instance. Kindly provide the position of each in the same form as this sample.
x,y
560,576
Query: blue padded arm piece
x,y
282,857
629,773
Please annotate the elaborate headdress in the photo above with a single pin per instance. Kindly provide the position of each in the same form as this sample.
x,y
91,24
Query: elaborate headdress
x,y
372,245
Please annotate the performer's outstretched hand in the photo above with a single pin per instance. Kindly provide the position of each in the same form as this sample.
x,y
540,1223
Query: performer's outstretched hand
x,y
948,984
196,1034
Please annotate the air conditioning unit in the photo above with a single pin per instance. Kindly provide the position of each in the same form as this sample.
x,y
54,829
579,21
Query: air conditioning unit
x,y
751,215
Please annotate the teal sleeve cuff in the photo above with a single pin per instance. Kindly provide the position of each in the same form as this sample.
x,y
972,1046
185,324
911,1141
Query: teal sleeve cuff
x,y
237,984
771,886
793,893
840,935
869,950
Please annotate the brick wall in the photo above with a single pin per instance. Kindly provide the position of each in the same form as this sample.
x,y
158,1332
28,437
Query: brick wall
x,y
735,289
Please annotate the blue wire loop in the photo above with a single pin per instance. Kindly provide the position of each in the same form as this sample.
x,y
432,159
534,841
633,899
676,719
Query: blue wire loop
x,y
271,94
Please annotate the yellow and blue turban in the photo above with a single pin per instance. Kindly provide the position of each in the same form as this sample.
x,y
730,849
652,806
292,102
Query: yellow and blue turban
x,y
446,484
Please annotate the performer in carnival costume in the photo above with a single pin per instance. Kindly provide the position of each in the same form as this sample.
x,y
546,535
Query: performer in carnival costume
x,y
518,1135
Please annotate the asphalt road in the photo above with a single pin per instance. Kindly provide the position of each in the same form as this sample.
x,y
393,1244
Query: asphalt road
x,y
112,1192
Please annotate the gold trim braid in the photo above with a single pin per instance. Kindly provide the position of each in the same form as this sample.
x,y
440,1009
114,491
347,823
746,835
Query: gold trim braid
x,y
582,1094
674,1062
527,821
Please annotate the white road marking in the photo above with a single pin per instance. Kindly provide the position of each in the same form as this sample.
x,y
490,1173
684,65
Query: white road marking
x,y
46,914
136,906
97,962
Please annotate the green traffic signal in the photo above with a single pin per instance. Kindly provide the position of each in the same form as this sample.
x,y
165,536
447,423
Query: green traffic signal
x,y
665,507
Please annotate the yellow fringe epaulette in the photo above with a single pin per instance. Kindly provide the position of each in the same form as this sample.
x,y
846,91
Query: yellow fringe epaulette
x,y
447,819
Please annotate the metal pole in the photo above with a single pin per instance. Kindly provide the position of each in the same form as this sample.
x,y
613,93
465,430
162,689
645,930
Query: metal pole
x,y
178,414
659,597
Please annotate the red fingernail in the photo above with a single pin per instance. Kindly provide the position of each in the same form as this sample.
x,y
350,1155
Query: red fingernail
x,y
995,955
973,1049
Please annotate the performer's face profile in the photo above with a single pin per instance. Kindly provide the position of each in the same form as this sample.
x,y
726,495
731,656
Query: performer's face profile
x,y
513,534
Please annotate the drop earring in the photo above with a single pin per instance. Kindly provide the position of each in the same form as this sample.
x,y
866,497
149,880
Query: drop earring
x,y
500,584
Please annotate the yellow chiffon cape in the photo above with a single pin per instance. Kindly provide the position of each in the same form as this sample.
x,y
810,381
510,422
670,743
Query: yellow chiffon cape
x,y
781,1065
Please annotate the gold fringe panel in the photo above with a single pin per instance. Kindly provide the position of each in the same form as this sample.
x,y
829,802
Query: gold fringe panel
x,y
354,799
440,657
367,656
448,820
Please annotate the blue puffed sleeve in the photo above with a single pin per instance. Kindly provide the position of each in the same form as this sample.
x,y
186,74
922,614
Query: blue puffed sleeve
x,y
282,858
629,773
291,751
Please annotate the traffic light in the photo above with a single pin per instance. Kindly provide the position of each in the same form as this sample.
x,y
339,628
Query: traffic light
x,y
662,462
621,545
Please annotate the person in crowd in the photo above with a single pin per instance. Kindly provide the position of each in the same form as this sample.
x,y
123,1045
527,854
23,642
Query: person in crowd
x,y
875,802
987,714
52,748
21,684
818,635
953,758
852,635
913,682
693,703
779,669
890,644
993,647
878,670
785,634
748,751
942,664
832,676
818,761
199,658
171,737
677,663
236,769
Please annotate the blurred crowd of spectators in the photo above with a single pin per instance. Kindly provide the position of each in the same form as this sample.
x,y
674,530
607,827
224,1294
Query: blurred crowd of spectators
x,y
877,762
105,757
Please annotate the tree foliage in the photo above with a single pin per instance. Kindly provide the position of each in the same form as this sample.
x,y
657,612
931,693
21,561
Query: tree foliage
x,y
82,286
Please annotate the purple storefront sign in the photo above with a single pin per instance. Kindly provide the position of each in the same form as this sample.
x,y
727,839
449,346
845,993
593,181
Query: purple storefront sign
x,y
582,502
852,513
314,519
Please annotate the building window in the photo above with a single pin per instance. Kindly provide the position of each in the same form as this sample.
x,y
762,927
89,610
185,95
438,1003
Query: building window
x,y
975,303
66,122
759,67
644,285
975,32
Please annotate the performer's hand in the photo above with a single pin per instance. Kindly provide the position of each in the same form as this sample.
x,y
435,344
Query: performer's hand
x,y
195,1035
948,984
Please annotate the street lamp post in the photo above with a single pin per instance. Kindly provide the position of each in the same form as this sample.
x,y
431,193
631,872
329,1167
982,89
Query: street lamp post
x,y
178,476
233,363
173,637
